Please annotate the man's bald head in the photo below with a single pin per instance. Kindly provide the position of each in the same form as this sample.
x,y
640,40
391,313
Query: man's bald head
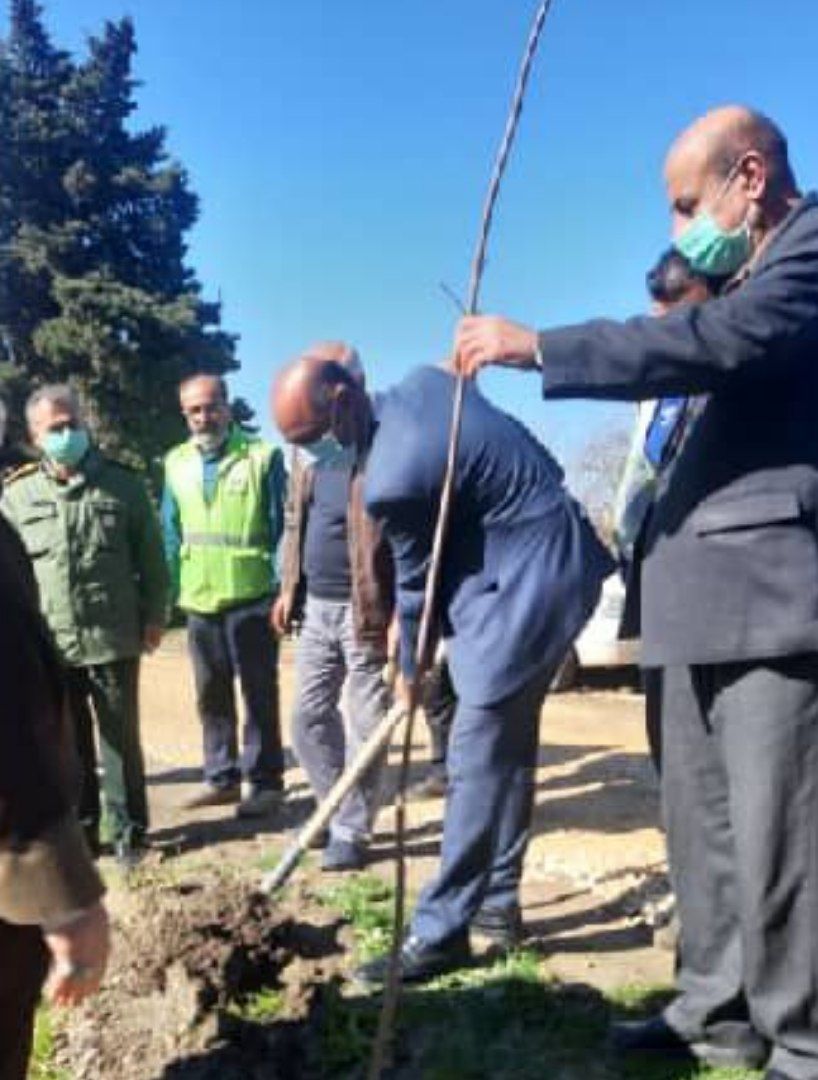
x,y
340,352
736,145
718,140
312,396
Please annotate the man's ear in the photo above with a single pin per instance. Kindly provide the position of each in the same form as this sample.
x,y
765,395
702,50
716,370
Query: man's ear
x,y
755,175
343,413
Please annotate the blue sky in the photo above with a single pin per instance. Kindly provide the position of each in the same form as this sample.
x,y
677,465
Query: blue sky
x,y
341,153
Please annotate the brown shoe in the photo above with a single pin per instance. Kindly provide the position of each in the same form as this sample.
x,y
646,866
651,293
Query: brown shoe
x,y
210,795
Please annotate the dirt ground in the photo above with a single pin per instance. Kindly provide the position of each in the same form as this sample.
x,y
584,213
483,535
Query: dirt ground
x,y
595,867
193,943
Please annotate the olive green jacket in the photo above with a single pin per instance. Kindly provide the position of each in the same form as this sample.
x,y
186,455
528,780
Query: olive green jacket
x,y
97,553
46,872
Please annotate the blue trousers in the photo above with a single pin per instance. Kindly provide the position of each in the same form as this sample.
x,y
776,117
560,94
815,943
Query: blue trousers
x,y
238,643
491,764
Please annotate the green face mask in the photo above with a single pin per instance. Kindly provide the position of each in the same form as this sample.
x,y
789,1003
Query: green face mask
x,y
708,247
712,250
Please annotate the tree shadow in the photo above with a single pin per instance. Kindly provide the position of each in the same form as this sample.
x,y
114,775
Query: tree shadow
x,y
182,775
194,835
550,933
614,792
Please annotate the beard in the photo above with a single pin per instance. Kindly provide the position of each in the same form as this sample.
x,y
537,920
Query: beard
x,y
211,440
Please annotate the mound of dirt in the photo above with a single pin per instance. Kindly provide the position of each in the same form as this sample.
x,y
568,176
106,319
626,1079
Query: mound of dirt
x,y
189,963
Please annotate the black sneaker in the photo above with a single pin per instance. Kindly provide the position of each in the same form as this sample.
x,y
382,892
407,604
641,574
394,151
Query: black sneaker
x,y
342,855
655,1035
419,961
259,802
503,926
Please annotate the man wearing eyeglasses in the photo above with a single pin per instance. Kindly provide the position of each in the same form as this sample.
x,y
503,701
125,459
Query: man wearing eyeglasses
x,y
223,515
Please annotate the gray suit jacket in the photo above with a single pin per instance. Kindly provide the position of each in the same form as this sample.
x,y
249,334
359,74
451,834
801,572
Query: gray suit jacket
x,y
731,559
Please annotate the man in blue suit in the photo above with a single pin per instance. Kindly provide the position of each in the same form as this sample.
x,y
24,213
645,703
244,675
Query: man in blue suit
x,y
521,574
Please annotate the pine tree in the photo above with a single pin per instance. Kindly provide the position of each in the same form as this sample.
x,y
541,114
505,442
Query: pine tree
x,y
94,283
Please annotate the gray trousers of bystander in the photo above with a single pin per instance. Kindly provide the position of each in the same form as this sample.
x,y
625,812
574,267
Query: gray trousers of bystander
x,y
329,655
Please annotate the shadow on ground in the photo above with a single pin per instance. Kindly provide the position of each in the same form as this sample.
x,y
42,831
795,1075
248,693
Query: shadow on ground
x,y
510,1026
201,833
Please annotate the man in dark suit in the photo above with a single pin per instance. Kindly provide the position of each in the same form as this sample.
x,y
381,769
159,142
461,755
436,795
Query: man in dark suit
x,y
521,574
50,907
730,586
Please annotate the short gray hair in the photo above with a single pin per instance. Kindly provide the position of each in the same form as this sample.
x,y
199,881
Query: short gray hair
x,y
54,394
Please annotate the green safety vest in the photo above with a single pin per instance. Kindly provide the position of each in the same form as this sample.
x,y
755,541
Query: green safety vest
x,y
226,556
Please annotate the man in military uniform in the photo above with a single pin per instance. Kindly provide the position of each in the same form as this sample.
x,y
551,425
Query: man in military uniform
x,y
93,537
223,515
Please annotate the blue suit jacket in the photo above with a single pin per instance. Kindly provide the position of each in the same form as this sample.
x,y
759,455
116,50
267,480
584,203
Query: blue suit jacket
x,y
522,567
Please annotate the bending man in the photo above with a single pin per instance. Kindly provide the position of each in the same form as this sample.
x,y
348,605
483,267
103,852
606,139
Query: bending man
x,y
522,573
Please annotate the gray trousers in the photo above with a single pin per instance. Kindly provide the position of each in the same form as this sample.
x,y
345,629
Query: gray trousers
x,y
328,654
740,793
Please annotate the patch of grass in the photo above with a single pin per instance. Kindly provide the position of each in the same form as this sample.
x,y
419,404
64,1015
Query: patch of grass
x,y
259,1008
367,903
504,1021
42,1065
268,860
345,1034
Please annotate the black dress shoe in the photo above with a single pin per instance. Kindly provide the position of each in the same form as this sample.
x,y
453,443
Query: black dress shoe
x,y
656,1036
503,926
419,961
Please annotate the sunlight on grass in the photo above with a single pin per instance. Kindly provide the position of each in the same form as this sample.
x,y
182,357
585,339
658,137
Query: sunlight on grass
x,y
507,1019
260,1008
42,1064
366,902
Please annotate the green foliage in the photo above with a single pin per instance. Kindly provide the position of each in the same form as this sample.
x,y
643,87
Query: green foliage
x,y
260,1008
94,286
42,1065
507,1020
368,905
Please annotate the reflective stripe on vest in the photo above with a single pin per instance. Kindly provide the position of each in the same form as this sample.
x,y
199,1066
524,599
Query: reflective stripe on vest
x,y
215,540
226,556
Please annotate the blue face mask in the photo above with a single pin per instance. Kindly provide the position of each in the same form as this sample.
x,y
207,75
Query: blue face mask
x,y
327,452
709,248
67,447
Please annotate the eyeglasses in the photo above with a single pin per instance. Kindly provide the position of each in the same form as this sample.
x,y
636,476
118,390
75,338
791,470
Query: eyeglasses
x,y
208,409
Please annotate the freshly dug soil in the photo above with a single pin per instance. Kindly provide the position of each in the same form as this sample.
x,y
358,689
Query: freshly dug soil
x,y
187,961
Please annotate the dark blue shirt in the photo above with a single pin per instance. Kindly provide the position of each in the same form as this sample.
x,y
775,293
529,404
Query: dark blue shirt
x,y
326,546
